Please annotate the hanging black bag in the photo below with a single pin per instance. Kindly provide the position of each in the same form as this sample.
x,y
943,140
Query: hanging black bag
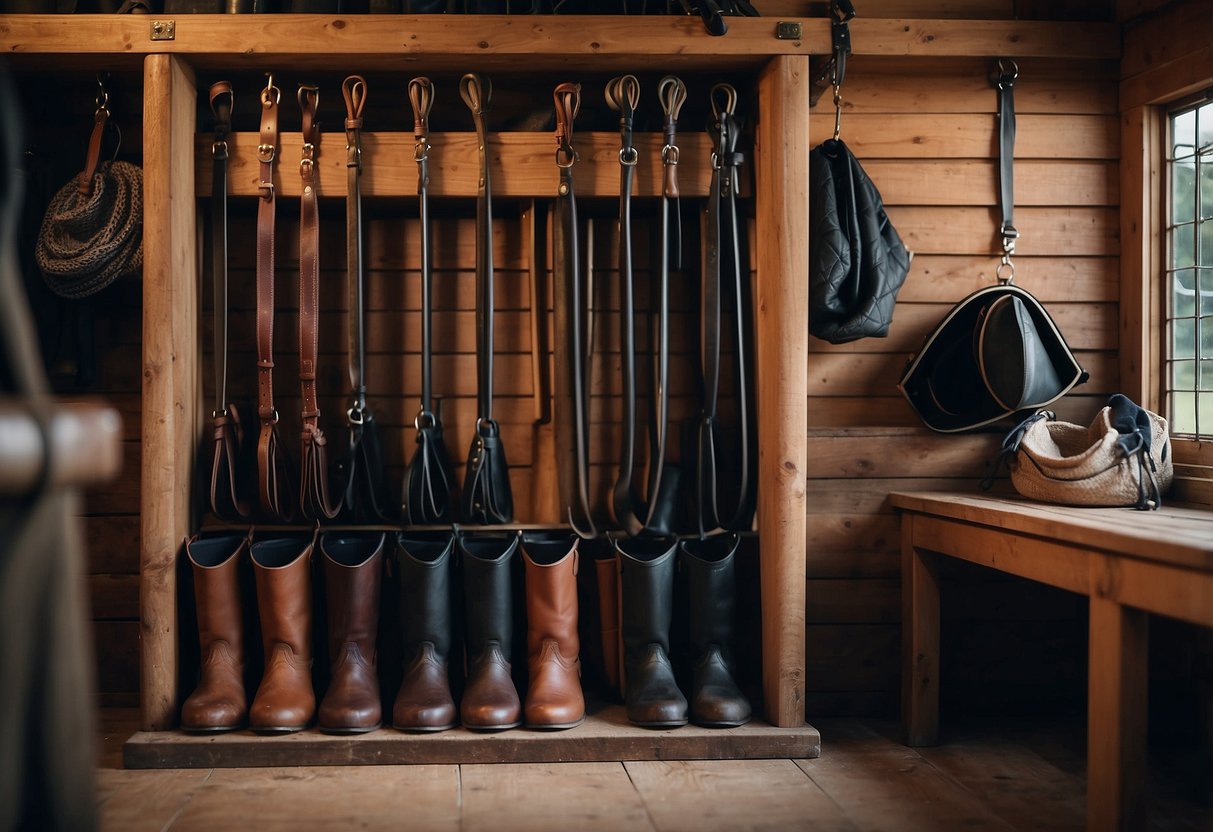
x,y
857,261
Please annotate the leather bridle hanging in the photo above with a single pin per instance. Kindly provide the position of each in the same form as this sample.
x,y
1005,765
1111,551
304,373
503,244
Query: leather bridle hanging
x,y
274,476
487,497
723,271
365,485
571,358
633,513
227,462
428,484
314,497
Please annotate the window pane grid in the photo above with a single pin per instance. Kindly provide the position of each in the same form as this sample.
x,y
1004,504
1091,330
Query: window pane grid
x,y
1188,271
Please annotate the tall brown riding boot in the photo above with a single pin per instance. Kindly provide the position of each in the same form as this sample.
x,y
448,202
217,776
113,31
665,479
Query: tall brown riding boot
x,y
424,702
553,698
285,700
353,567
490,701
219,703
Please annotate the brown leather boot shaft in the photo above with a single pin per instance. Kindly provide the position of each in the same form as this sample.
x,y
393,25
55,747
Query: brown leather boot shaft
x,y
351,704
219,703
285,700
554,698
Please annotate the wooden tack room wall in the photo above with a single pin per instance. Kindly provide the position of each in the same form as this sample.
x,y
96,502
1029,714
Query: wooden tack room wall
x,y
924,128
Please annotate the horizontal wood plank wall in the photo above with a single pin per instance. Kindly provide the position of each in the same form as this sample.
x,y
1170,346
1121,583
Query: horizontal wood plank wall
x,y
925,133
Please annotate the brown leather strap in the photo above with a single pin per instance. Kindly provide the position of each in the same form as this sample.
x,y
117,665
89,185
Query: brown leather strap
x,y
314,496
267,414
353,89
421,97
221,107
477,93
100,119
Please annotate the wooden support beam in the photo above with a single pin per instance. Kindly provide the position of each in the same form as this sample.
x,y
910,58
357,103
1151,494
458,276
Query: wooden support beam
x,y
171,361
919,639
782,334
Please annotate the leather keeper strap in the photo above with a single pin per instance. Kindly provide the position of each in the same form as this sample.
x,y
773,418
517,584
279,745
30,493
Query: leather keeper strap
x,y
309,258
267,149
476,93
1005,81
353,89
221,107
421,98
571,358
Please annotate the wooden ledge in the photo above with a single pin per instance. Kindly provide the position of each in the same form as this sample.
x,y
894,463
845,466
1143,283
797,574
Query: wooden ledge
x,y
605,735
526,43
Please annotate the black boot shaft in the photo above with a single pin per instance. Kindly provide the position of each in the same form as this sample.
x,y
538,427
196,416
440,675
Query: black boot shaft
x,y
710,565
647,593
425,592
488,591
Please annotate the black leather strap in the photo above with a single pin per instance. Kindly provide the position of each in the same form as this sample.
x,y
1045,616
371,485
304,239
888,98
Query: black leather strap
x,y
1005,81
724,271
572,355
622,95
477,95
421,98
221,107
354,91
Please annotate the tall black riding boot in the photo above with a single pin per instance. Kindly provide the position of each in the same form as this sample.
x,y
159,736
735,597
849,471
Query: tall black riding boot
x,y
647,599
424,702
716,701
490,701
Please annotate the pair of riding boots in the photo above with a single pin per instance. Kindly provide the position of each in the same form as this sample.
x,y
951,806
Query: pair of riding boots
x,y
490,700
285,700
646,584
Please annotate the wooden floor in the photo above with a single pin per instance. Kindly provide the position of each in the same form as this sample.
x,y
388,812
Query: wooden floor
x,y
987,776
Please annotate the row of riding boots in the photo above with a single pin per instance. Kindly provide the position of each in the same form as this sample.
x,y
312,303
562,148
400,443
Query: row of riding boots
x,y
353,566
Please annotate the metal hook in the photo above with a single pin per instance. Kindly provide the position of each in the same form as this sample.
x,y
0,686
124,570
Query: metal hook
x,y
103,96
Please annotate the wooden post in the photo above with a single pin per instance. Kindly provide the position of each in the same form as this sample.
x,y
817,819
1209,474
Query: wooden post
x,y
170,371
782,325
919,639
1141,257
1116,715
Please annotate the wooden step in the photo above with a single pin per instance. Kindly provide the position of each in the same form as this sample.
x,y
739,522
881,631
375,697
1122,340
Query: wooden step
x,y
605,735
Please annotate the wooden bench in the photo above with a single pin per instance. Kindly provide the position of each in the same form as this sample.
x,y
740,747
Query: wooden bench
x,y
1130,563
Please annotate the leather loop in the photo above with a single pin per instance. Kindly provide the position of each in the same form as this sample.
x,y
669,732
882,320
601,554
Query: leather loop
x,y
100,119
724,270
1005,82
572,354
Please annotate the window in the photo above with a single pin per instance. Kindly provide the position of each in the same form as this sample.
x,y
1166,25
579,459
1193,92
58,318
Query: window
x,y
1189,271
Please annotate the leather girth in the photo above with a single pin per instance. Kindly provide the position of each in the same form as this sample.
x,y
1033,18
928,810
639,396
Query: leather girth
x,y
275,475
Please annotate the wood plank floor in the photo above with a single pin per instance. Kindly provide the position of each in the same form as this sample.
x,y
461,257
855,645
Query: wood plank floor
x,y
988,775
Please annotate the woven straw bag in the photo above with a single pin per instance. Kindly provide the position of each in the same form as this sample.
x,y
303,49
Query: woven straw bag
x,y
92,233
1123,458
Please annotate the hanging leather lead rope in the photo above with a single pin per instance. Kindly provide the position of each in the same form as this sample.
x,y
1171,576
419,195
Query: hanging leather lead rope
x,y
724,271
274,474
366,498
428,484
314,498
572,361
487,497
228,460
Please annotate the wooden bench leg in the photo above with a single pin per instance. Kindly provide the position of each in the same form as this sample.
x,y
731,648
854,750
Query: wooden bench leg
x,y
1116,716
919,639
